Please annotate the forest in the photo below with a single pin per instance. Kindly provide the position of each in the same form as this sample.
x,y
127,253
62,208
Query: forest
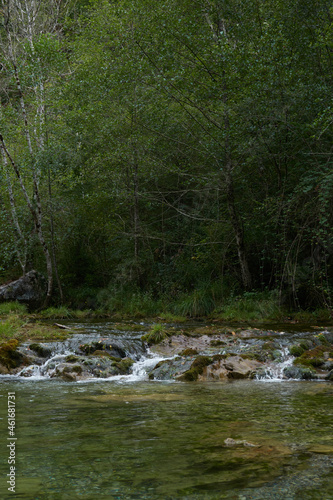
x,y
171,156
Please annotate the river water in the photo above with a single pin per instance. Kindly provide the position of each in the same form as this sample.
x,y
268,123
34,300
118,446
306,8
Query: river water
x,y
131,438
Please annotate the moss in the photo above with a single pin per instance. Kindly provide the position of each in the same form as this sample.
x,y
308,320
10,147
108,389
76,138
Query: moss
x,y
189,352
305,344
196,368
94,347
322,339
42,351
105,354
9,356
217,343
77,368
313,357
124,365
219,357
268,346
71,358
296,350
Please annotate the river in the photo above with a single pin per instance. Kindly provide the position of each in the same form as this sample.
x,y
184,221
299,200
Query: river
x,y
128,437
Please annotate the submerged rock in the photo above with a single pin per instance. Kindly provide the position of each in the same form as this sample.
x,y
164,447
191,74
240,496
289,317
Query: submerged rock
x,y
239,442
29,289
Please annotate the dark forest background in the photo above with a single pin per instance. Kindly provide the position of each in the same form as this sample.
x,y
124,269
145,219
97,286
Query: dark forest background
x,y
172,155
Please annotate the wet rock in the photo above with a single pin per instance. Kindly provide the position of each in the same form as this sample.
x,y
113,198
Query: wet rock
x,y
170,368
328,365
3,369
112,349
40,350
196,369
330,376
29,289
300,373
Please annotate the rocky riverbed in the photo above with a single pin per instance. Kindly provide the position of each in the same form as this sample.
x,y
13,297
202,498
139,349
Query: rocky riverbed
x,y
188,353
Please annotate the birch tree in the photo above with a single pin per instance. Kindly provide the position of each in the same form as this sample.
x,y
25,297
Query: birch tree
x,y
27,25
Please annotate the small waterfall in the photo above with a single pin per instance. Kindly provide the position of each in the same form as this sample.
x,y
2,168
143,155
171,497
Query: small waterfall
x,y
275,371
46,370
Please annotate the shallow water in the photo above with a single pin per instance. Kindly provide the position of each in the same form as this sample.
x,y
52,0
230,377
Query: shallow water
x,y
153,440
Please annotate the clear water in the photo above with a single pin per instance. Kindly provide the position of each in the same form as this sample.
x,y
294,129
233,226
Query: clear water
x,y
136,439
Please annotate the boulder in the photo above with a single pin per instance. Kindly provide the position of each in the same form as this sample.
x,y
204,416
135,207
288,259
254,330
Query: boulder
x,y
29,289
241,368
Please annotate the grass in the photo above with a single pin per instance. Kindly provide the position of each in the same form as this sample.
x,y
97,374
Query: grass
x,y
252,306
168,317
12,307
21,327
157,334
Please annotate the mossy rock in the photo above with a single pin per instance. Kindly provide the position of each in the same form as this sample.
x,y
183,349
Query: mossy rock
x,y
322,339
196,369
296,350
105,354
189,352
9,356
217,343
300,373
313,357
124,365
220,357
71,358
42,351
160,363
268,346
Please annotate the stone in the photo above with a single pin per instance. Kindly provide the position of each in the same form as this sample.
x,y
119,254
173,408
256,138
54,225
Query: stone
x,y
29,290
241,368
297,372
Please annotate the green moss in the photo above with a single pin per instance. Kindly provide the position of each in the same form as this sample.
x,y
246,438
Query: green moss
x,y
217,343
296,350
313,357
9,356
322,339
196,369
219,357
77,369
71,358
124,365
268,346
188,352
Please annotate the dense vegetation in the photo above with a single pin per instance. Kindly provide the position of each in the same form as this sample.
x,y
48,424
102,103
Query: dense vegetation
x,y
168,155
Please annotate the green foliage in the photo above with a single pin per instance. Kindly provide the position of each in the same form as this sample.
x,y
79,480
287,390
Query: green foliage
x,y
182,156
